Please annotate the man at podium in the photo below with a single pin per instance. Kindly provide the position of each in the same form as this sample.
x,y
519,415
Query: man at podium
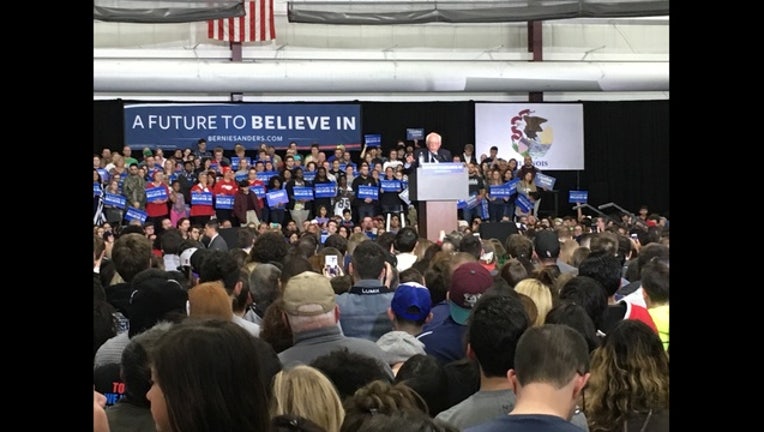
x,y
432,153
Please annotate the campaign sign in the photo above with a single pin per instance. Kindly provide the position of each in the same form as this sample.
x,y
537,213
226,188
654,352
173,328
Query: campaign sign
x,y
524,203
115,200
578,197
266,175
309,176
414,134
343,166
224,202
405,196
235,162
259,191
277,197
97,191
240,177
499,191
201,198
368,192
390,185
372,140
134,213
303,193
325,190
470,203
544,181
512,185
104,175
156,194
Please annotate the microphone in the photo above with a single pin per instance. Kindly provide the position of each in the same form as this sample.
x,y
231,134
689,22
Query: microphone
x,y
576,207
604,206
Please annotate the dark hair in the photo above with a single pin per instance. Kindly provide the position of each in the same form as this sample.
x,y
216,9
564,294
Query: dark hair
x,y
495,325
552,354
411,275
655,280
472,245
405,421
269,247
386,240
368,260
293,423
220,266
379,397
519,246
349,371
198,356
274,329
587,293
425,375
574,316
406,239
513,271
338,242
170,241
131,255
135,370
104,323
294,264
605,268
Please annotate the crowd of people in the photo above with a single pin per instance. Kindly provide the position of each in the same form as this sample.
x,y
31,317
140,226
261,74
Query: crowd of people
x,y
328,315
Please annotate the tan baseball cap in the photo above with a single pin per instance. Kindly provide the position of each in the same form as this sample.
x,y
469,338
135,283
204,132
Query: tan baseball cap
x,y
308,294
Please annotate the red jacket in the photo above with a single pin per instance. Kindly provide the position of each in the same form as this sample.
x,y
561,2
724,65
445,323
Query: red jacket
x,y
157,209
201,209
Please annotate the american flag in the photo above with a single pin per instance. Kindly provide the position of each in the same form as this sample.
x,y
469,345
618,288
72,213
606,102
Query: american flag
x,y
255,26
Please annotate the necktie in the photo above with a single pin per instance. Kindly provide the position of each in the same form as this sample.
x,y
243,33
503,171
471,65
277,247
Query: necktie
x,y
433,158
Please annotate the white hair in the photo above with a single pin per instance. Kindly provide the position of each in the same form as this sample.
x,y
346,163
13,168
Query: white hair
x,y
301,323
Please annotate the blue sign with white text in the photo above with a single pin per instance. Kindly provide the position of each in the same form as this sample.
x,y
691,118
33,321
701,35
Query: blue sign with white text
x,y
303,193
97,190
578,197
224,202
114,200
325,190
512,185
258,190
368,192
309,176
235,162
156,194
172,125
201,198
499,191
134,213
414,134
524,203
266,175
276,197
372,140
390,185
469,203
544,181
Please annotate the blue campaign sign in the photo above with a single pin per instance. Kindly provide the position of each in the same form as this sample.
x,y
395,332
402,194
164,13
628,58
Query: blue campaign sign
x,y
201,198
224,202
266,175
134,213
235,162
155,194
372,140
259,191
97,191
325,190
104,175
303,193
368,192
414,134
470,203
309,176
524,203
544,181
173,125
240,177
512,185
342,166
114,200
578,197
390,185
499,191
276,197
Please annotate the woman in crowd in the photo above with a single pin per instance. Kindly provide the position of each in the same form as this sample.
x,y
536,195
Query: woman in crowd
x,y
527,188
496,204
227,392
178,208
201,213
321,179
629,386
276,213
306,392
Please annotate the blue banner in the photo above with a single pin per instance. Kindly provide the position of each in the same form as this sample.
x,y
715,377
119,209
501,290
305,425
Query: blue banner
x,y
469,203
172,125
368,192
372,140
240,177
104,175
309,176
258,190
155,194
414,134
114,200
235,162
512,185
500,191
276,197
524,203
97,191
303,193
266,175
544,181
325,190
134,213
224,202
578,197
201,198
390,185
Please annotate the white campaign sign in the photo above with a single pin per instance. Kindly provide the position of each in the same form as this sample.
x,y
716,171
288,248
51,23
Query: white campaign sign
x,y
552,134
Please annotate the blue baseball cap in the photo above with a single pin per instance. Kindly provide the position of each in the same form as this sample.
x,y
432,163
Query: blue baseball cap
x,y
411,301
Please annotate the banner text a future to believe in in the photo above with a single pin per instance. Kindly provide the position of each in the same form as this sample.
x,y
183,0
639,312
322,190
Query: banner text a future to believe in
x,y
171,126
